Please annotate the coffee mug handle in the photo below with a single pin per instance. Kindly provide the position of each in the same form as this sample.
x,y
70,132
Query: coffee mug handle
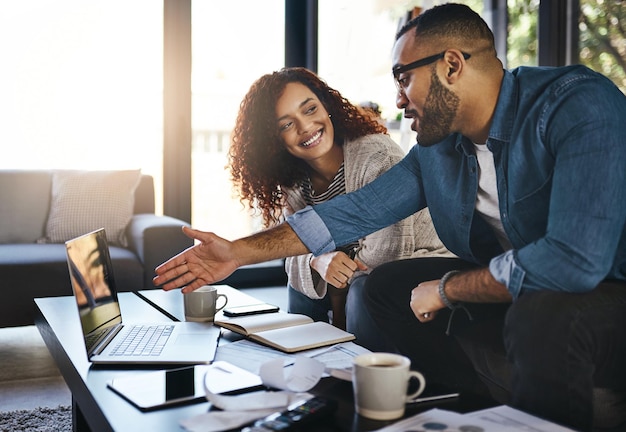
x,y
420,378
217,309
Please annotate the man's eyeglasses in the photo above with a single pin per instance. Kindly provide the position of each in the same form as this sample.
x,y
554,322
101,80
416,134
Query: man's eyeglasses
x,y
398,70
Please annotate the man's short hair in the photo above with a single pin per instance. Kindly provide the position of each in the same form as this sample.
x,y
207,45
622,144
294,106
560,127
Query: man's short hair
x,y
449,20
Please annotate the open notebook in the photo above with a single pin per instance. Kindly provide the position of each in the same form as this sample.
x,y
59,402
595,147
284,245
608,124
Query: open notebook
x,y
108,339
286,332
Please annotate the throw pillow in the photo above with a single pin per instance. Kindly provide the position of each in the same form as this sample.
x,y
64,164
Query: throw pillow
x,y
83,201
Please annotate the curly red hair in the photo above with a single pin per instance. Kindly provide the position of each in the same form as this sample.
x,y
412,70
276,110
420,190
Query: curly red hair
x,y
259,163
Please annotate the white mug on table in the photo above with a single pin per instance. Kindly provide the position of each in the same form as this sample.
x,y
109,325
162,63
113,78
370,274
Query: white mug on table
x,y
380,382
201,304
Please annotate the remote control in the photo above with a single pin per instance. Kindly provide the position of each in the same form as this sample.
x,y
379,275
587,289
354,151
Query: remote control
x,y
295,416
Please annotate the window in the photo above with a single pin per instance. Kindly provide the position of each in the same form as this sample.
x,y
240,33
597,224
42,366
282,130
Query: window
x,y
355,42
522,43
81,85
233,44
82,82
599,37
602,44
354,55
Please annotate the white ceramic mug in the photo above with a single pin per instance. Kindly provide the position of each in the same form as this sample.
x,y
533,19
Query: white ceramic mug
x,y
380,382
201,304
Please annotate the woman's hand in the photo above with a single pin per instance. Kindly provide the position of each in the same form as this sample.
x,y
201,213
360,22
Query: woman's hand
x,y
336,268
209,261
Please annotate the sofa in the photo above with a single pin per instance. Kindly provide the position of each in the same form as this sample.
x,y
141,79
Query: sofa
x,y
40,209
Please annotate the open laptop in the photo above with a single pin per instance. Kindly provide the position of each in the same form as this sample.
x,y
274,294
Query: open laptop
x,y
110,341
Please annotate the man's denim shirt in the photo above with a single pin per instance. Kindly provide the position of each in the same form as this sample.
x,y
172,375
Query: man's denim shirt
x,y
558,139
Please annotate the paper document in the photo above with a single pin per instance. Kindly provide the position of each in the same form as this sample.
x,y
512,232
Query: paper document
x,y
303,376
241,410
250,355
292,374
506,416
498,419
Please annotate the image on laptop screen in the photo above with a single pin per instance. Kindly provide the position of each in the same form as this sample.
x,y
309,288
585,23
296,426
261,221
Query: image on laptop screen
x,y
94,285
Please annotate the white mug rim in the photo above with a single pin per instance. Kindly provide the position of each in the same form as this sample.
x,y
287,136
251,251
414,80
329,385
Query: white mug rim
x,y
374,360
204,288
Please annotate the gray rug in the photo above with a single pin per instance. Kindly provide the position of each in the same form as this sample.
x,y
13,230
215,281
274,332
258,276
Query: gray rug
x,y
38,420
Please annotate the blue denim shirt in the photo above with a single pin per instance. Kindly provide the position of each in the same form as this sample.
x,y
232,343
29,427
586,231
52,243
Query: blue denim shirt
x,y
558,139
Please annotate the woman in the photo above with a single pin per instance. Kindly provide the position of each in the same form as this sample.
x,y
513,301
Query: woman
x,y
298,142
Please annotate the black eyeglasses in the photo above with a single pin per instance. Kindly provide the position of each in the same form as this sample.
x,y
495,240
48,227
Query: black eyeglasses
x,y
401,83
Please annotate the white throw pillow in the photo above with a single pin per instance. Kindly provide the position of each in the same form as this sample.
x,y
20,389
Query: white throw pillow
x,y
83,201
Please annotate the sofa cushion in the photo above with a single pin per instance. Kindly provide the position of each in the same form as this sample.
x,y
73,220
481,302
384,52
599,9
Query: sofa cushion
x,y
83,201
24,203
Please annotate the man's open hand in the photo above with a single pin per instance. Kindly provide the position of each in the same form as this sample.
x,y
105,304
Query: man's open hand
x,y
209,261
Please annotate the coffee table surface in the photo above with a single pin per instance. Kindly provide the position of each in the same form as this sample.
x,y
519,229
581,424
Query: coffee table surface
x,y
98,408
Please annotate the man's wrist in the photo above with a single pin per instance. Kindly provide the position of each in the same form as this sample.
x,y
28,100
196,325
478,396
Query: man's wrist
x,y
442,293
444,298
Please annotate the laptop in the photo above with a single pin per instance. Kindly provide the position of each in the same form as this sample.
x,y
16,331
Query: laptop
x,y
108,339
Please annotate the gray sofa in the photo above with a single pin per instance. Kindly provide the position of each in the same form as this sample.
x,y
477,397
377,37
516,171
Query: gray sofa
x,y
29,269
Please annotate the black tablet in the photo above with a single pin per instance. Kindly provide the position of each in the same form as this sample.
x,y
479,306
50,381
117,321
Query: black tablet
x,y
157,389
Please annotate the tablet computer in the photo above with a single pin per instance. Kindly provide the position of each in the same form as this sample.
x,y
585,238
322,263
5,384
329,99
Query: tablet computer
x,y
157,389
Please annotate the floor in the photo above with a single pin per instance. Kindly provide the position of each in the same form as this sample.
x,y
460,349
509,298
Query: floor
x,y
29,377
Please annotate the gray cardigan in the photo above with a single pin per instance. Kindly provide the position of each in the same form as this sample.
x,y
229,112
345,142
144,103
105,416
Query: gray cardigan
x,y
365,159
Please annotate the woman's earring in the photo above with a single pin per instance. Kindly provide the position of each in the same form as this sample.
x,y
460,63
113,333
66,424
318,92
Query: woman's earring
x,y
330,115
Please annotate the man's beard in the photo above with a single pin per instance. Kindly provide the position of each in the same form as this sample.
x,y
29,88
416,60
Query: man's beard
x,y
439,113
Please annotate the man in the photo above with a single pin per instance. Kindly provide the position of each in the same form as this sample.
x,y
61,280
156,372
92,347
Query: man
x,y
524,175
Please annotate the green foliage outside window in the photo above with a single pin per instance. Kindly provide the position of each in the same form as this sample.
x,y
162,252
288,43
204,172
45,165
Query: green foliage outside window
x,y
522,39
602,26
602,36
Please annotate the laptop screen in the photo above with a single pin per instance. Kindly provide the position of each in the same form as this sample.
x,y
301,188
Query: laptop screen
x,y
93,285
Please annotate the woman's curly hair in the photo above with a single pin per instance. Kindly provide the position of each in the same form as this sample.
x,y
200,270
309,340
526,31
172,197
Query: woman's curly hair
x,y
259,163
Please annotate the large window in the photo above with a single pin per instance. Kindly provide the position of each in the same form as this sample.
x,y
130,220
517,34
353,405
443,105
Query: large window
x,y
600,42
522,43
81,85
81,82
602,38
354,54
233,43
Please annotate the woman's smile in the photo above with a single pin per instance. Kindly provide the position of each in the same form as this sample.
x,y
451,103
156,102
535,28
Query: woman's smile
x,y
314,140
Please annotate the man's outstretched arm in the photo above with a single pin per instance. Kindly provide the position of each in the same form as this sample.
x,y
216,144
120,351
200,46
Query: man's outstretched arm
x,y
213,258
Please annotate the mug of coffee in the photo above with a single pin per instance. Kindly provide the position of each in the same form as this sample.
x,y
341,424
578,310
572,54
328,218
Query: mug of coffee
x,y
201,304
380,382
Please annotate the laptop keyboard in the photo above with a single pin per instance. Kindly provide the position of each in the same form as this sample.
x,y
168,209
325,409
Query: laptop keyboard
x,y
146,340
